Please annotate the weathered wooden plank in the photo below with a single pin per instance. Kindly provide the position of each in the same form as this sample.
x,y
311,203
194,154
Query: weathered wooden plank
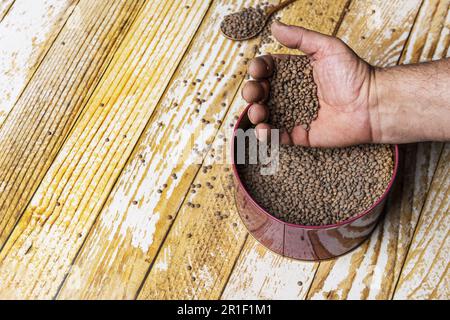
x,y
101,141
425,274
261,274
5,7
430,38
36,128
372,271
26,34
363,28
135,219
203,244
378,30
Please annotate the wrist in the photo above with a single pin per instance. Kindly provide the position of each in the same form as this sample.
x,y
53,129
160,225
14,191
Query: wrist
x,y
384,110
375,104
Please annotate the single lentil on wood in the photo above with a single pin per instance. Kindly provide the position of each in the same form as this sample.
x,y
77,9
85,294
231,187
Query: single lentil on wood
x,y
293,93
243,24
316,187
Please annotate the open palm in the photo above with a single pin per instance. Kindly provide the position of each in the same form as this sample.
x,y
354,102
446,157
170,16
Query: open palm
x,y
343,81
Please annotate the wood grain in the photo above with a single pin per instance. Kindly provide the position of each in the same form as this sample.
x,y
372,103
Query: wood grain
x,y
81,177
372,271
105,121
36,128
204,243
135,219
362,19
425,274
260,274
5,7
430,37
25,37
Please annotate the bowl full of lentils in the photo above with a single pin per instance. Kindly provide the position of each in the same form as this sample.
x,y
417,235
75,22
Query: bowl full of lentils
x,y
319,203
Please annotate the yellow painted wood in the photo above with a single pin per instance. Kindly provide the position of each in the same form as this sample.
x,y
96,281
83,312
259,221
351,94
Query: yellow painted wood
x,y
430,37
5,6
260,274
425,274
368,18
126,237
25,36
372,271
199,253
36,128
89,163
378,30
86,186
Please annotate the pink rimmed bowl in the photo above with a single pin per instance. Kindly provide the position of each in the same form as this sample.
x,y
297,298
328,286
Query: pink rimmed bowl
x,y
311,243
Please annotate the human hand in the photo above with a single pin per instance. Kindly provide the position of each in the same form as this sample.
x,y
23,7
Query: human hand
x,y
345,88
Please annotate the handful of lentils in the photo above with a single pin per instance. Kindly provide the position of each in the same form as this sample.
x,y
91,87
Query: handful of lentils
x,y
293,93
313,186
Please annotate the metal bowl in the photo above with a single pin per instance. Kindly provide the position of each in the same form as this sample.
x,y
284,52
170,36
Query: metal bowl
x,y
311,243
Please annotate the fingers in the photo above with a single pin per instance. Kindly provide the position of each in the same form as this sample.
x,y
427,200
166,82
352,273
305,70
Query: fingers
x,y
261,67
300,137
285,138
263,132
310,42
258,113
255,91
258,90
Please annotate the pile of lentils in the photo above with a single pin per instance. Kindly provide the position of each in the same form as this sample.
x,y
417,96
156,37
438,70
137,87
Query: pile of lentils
x,y
315,187
293,93
243,24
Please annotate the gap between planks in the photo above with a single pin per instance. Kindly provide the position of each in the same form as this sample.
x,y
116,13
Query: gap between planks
x,y
376,53
134,150
420,37
210,275
155,38
5,7
37,29
120,24
216,99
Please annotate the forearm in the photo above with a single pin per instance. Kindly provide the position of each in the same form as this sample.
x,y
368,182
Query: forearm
x,y
411,103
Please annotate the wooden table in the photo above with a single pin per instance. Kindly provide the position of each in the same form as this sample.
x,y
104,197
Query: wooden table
x,y
99,110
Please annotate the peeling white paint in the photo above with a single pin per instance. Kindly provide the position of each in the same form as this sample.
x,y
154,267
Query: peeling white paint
x,y
262,274
23,34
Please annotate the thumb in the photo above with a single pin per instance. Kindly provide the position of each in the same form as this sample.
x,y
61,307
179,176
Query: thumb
x,y
310,42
